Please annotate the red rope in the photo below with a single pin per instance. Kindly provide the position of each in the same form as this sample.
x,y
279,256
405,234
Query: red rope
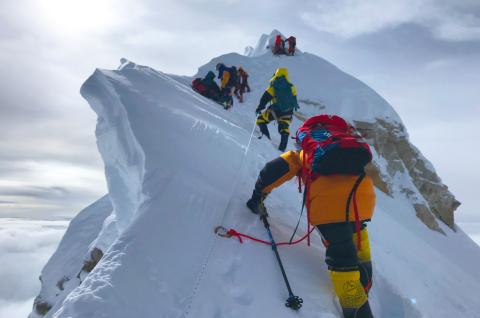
x,y
239,235
368,286
357,221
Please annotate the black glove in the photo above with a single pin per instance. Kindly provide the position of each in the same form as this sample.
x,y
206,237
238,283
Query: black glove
x,y
259,109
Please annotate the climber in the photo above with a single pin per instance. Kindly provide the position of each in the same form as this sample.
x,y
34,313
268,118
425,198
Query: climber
x,y
339,198
229,78
242,85
292,43
207,86
279,47
283,96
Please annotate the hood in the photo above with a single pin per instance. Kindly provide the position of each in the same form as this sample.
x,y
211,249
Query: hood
x,y
281,71
210,75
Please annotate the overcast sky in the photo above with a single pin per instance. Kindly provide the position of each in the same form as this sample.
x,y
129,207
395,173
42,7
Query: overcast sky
x,y
421,55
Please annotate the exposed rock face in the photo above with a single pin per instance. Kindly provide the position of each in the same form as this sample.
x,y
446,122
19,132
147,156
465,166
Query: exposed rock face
x,y
374,173
41,307
408,172
74,258
95,256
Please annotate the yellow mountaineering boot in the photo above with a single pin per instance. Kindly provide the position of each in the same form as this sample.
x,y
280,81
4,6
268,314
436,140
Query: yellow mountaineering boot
x,y
350,292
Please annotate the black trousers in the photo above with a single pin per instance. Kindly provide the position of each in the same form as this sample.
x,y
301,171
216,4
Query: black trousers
x,y
341,251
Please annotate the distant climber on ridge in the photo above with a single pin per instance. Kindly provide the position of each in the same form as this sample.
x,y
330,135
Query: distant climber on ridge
x,y
292,43
283,96
242,85
229,78
207,86
339,198
279,46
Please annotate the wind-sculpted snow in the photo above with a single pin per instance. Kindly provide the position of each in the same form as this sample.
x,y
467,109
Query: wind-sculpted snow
x,y
178,164
60,275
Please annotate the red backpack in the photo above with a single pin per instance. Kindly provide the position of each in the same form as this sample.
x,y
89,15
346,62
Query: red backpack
x,y
331,146
199,86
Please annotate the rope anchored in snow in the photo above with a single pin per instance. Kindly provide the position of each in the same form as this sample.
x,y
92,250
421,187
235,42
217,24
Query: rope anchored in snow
x,y
292,302
203,270
223,232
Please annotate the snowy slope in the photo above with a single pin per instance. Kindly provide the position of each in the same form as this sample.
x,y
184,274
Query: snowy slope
x,y
177,165
65,264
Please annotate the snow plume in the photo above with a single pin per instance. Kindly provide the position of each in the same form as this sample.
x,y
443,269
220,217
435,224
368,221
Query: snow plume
x,y
178,164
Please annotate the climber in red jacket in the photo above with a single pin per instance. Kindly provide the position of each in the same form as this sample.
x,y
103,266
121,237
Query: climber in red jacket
x,y
279,47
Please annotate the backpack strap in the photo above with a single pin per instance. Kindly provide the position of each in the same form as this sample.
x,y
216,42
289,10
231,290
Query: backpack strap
x,y
300,217
306,176
352,194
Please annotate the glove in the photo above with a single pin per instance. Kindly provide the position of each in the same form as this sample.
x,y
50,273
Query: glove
x,y
258,111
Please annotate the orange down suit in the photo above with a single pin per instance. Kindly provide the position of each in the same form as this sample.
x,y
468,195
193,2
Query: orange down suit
x,y
327,196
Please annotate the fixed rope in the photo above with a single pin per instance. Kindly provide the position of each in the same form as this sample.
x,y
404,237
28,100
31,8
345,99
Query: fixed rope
x,y
201,274
223,232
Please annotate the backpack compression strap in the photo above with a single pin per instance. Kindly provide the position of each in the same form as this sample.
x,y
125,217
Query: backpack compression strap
x,y
355,208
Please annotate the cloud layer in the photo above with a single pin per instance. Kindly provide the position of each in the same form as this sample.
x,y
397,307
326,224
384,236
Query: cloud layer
x,y
25,247
447,20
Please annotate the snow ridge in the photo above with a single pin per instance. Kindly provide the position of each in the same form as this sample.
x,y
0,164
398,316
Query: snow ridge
x,y
173,160
123,156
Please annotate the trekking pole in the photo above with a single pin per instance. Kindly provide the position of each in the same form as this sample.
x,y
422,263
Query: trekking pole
x,y
293,302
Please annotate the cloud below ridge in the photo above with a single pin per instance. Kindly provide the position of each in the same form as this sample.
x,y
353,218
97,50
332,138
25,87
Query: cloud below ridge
x,y
25,247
